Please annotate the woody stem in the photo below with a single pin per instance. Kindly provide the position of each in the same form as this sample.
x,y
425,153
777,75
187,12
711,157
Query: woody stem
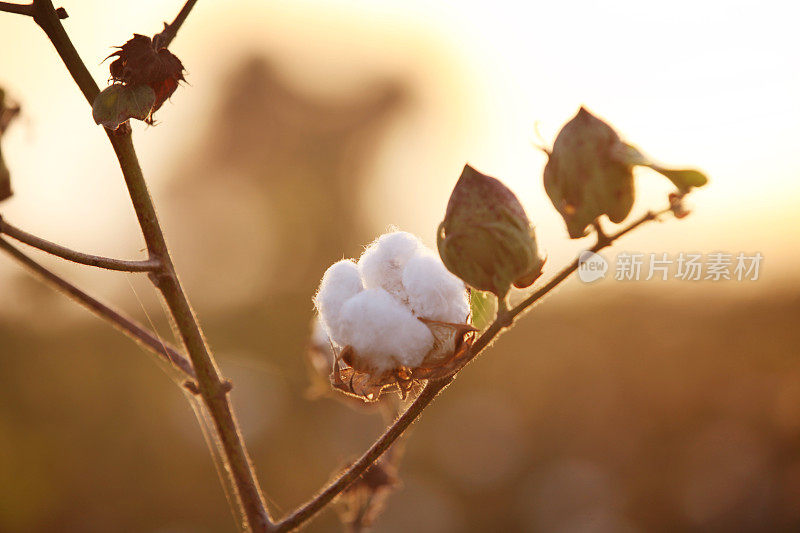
x,y
211,386
171,30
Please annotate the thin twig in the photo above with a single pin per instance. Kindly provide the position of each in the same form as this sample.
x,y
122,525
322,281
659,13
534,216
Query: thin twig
x,y
164,39
126,325
210,385
76,257
432,388
19,9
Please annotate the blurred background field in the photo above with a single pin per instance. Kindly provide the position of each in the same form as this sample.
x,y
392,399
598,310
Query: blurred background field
x,y
306,129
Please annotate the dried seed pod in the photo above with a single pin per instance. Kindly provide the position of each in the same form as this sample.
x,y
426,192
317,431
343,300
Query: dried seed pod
x,y
140,62
486,238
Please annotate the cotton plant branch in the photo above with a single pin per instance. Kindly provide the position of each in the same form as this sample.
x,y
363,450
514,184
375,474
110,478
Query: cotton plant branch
x,y
57,250
126,325
209,384
503,321
19,9
164,39
27,9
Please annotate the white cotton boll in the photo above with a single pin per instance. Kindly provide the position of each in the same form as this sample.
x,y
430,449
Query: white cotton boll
x,y
433,292
383,332
341,282
383,261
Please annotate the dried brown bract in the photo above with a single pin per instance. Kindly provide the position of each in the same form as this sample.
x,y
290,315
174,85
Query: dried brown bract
x,y
140,62
364,500
448,355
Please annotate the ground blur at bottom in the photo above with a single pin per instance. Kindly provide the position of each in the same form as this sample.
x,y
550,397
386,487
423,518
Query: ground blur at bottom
x,y
617,410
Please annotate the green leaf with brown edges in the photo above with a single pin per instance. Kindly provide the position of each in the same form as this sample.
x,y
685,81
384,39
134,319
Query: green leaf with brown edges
x,y
118,103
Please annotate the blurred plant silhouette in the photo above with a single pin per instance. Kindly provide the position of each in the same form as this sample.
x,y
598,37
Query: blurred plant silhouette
x,y
292,162
8,112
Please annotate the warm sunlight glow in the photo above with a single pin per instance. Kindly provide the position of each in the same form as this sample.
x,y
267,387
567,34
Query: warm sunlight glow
x,y
482,78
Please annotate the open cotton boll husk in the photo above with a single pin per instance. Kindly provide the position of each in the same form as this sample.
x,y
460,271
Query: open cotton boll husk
x,y
341,282
395,317
383,333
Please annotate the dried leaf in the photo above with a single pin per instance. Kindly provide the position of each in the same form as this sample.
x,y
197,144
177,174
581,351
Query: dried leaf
x,y
447,339
365,499
450,352
360,384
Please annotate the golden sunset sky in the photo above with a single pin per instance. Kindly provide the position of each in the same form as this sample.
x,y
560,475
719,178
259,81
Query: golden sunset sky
x,y
708,84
